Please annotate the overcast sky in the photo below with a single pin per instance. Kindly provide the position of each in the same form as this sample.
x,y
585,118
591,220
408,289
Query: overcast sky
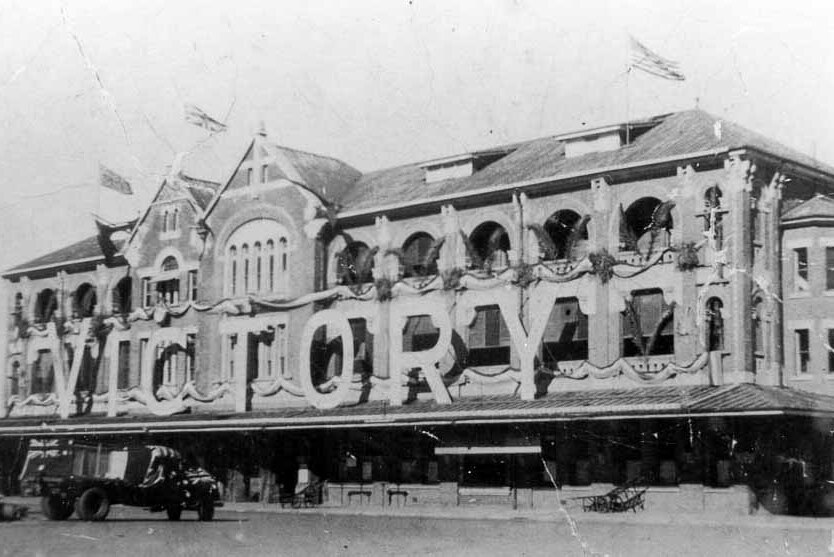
x,y
381,83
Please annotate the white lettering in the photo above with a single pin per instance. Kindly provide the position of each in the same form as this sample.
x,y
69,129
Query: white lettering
x,y
337,320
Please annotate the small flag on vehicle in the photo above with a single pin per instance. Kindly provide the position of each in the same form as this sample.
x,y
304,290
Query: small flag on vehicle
x,y
197,116
650,62
110,180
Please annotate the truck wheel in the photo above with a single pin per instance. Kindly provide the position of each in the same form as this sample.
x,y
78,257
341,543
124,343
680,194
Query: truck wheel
x,y
54,507
93,504
205,511
174,512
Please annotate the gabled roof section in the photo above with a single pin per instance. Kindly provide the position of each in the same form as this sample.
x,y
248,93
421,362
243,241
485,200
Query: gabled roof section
x,y
818,207
678,135
326,177
201,191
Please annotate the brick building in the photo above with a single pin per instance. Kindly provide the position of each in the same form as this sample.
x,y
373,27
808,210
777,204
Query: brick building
x,y
572,309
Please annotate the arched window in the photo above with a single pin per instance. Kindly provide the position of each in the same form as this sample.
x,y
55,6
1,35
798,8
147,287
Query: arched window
x,y
258,265
253,263
122,294
232,280
648,324
491,243
45,305
168,289
757,315
415,251
356,263
84,301
566,229
715,324
270,252
165,221
244,254
175,222
646,225
283,243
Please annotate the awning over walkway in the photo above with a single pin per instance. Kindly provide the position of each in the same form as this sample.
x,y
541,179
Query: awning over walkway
x,y
648,402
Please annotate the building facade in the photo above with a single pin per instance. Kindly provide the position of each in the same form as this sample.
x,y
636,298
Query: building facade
x,y
572,311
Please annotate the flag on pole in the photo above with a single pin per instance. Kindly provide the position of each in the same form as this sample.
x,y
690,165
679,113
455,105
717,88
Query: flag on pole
x,y
110,180
650,62
197,116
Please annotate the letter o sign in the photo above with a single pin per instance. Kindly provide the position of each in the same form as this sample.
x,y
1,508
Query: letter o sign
x,y
336,319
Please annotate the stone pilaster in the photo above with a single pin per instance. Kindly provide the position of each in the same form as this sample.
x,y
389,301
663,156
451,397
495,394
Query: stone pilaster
x,y
739,174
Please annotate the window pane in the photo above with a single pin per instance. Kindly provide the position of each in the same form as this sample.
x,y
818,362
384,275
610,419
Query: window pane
x,y
829,268
803,354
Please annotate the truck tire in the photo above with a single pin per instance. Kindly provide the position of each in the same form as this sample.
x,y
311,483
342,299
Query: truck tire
x,y
174,512
55,507
93,504
205,511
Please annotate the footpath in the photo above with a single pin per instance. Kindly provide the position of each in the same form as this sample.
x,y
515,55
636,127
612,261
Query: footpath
x,y
485,512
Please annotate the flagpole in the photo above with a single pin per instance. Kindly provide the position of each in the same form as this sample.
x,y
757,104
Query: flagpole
x,y
628,102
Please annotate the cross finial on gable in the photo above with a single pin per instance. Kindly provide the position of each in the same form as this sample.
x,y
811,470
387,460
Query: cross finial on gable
x,y
262,129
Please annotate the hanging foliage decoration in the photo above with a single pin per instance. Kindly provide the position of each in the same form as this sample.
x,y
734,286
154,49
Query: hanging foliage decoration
x,y
384,289
602,264
688,258
451,278
524,275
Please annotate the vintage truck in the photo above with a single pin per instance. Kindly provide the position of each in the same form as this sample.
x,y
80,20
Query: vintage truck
x,y
88,479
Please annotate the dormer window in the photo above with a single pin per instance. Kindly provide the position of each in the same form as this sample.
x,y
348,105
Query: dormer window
x,y
264,174
461,166
250,176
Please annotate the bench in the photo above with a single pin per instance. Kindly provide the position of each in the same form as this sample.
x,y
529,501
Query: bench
x,y
627,497
397,492
361,493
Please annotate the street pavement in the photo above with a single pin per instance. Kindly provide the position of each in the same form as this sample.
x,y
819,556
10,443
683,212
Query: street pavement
x,y
255,529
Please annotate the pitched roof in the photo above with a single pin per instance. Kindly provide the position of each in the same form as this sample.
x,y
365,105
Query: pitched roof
x,y
817,206
327,177
657,401
203,191
88,248
678,134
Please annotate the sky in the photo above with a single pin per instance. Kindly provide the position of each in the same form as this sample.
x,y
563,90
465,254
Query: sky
x,y
376,84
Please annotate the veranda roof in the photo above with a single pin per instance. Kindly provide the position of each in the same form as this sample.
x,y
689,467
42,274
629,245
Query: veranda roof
x,y
648,402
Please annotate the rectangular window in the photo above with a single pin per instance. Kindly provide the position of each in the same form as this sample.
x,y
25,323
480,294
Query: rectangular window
x,y
169,291
829,268
802,338
143,347
123,380
190,358
566,334
800,269
230,356
363,347
192,286
263,174
147,300
830,349
648,325
489,338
